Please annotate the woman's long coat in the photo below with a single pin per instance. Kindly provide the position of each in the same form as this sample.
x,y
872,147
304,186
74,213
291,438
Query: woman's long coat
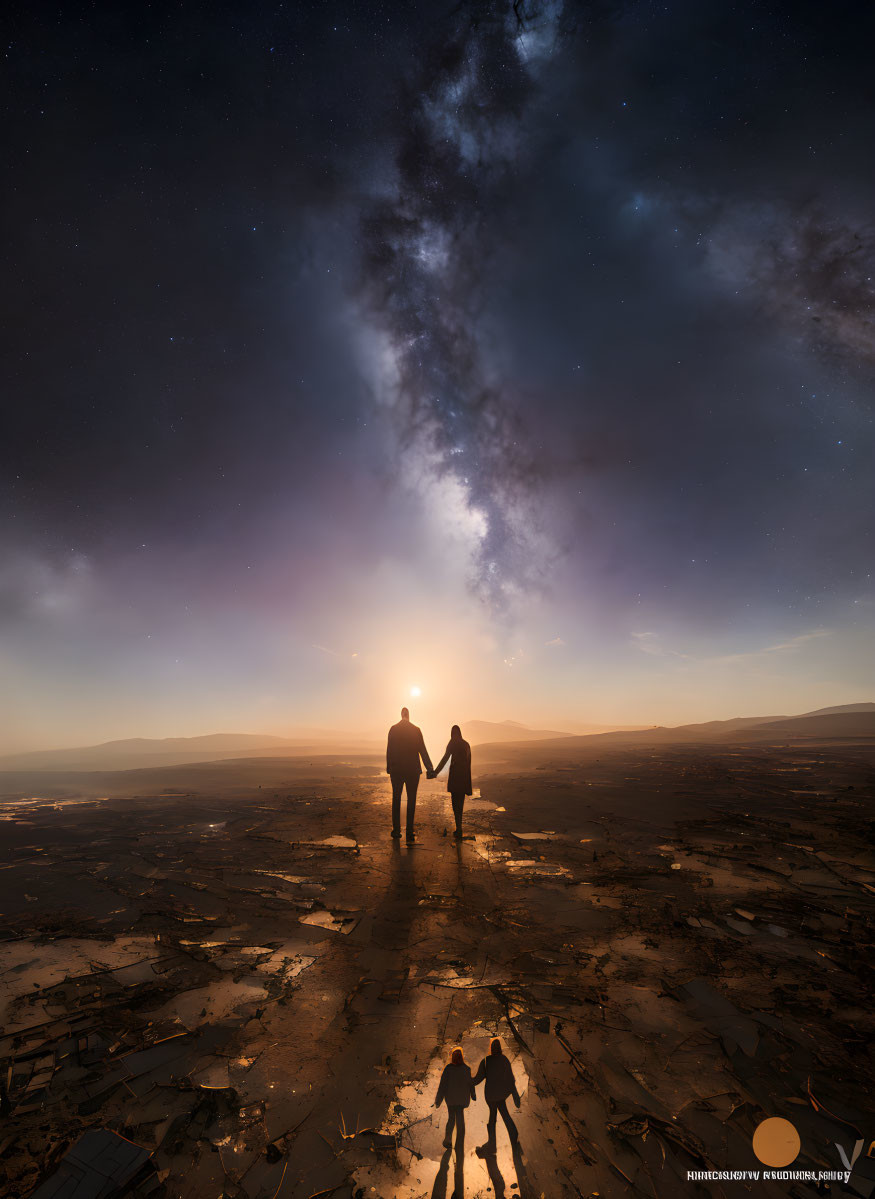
x,y
456,1085
459,756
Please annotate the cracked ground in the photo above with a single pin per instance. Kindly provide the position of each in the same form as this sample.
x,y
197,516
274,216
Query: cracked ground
x,y
233,966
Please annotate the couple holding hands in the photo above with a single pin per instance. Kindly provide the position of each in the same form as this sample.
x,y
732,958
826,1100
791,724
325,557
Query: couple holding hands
x,y
404,750
457,1089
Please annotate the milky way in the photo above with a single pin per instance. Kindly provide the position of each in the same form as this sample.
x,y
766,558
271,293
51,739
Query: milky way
x,y
427,246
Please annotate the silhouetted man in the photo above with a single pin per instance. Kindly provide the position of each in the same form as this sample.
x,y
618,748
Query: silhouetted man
x,y
403,751
500,1085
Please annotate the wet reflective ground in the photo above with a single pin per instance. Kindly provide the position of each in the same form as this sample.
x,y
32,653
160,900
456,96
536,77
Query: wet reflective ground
x,y
236,968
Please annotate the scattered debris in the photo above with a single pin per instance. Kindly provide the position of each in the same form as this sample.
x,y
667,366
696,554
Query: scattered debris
x,y
101,1165
179,981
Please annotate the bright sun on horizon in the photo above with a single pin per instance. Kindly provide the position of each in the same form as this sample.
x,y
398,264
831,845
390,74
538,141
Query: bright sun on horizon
x,y
414,691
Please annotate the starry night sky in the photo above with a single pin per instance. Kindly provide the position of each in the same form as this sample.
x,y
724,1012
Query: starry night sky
x,y
523,355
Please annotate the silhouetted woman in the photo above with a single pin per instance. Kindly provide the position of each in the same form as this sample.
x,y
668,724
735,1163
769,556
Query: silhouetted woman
x,y
459,782
457,1089
500,1085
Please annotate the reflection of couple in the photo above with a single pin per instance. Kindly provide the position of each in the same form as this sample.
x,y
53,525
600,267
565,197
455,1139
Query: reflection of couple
x,y
457,1089
403,752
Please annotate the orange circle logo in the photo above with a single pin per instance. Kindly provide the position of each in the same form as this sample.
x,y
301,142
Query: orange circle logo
x,y
776,1142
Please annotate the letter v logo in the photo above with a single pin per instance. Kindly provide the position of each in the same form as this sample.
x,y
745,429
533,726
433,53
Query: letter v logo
x,y
858,1149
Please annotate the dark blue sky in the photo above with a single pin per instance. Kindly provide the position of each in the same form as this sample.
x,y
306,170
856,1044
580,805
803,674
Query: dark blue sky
x,y
352,347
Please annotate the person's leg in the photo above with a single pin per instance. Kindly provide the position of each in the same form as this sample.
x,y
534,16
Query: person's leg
x,y
397,784
460,1128
508,1122
490,1124
451,1120
412,788
458,798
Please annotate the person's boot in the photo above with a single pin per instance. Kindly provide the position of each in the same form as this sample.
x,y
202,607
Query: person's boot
x,y
411,837
458,834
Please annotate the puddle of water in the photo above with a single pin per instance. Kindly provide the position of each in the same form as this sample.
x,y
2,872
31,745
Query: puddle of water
x,y
544,869
339,923
28,967
310,885
585,892
545,836
286,965
214,1075
422,1167
57,804
217,1001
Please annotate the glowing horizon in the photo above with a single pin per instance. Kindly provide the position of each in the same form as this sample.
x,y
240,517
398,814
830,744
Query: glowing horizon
x,y
551,402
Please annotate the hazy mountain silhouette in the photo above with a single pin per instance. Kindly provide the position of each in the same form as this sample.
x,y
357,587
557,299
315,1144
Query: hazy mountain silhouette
x,y
479,732
832,723
135,753
842,721
840,710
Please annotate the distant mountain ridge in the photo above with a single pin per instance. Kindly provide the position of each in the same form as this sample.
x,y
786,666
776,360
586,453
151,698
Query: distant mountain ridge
x,y
134,753
479,732
844,720
842,708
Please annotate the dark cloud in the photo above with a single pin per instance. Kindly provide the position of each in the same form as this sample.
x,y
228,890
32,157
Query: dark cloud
x,y
807,267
